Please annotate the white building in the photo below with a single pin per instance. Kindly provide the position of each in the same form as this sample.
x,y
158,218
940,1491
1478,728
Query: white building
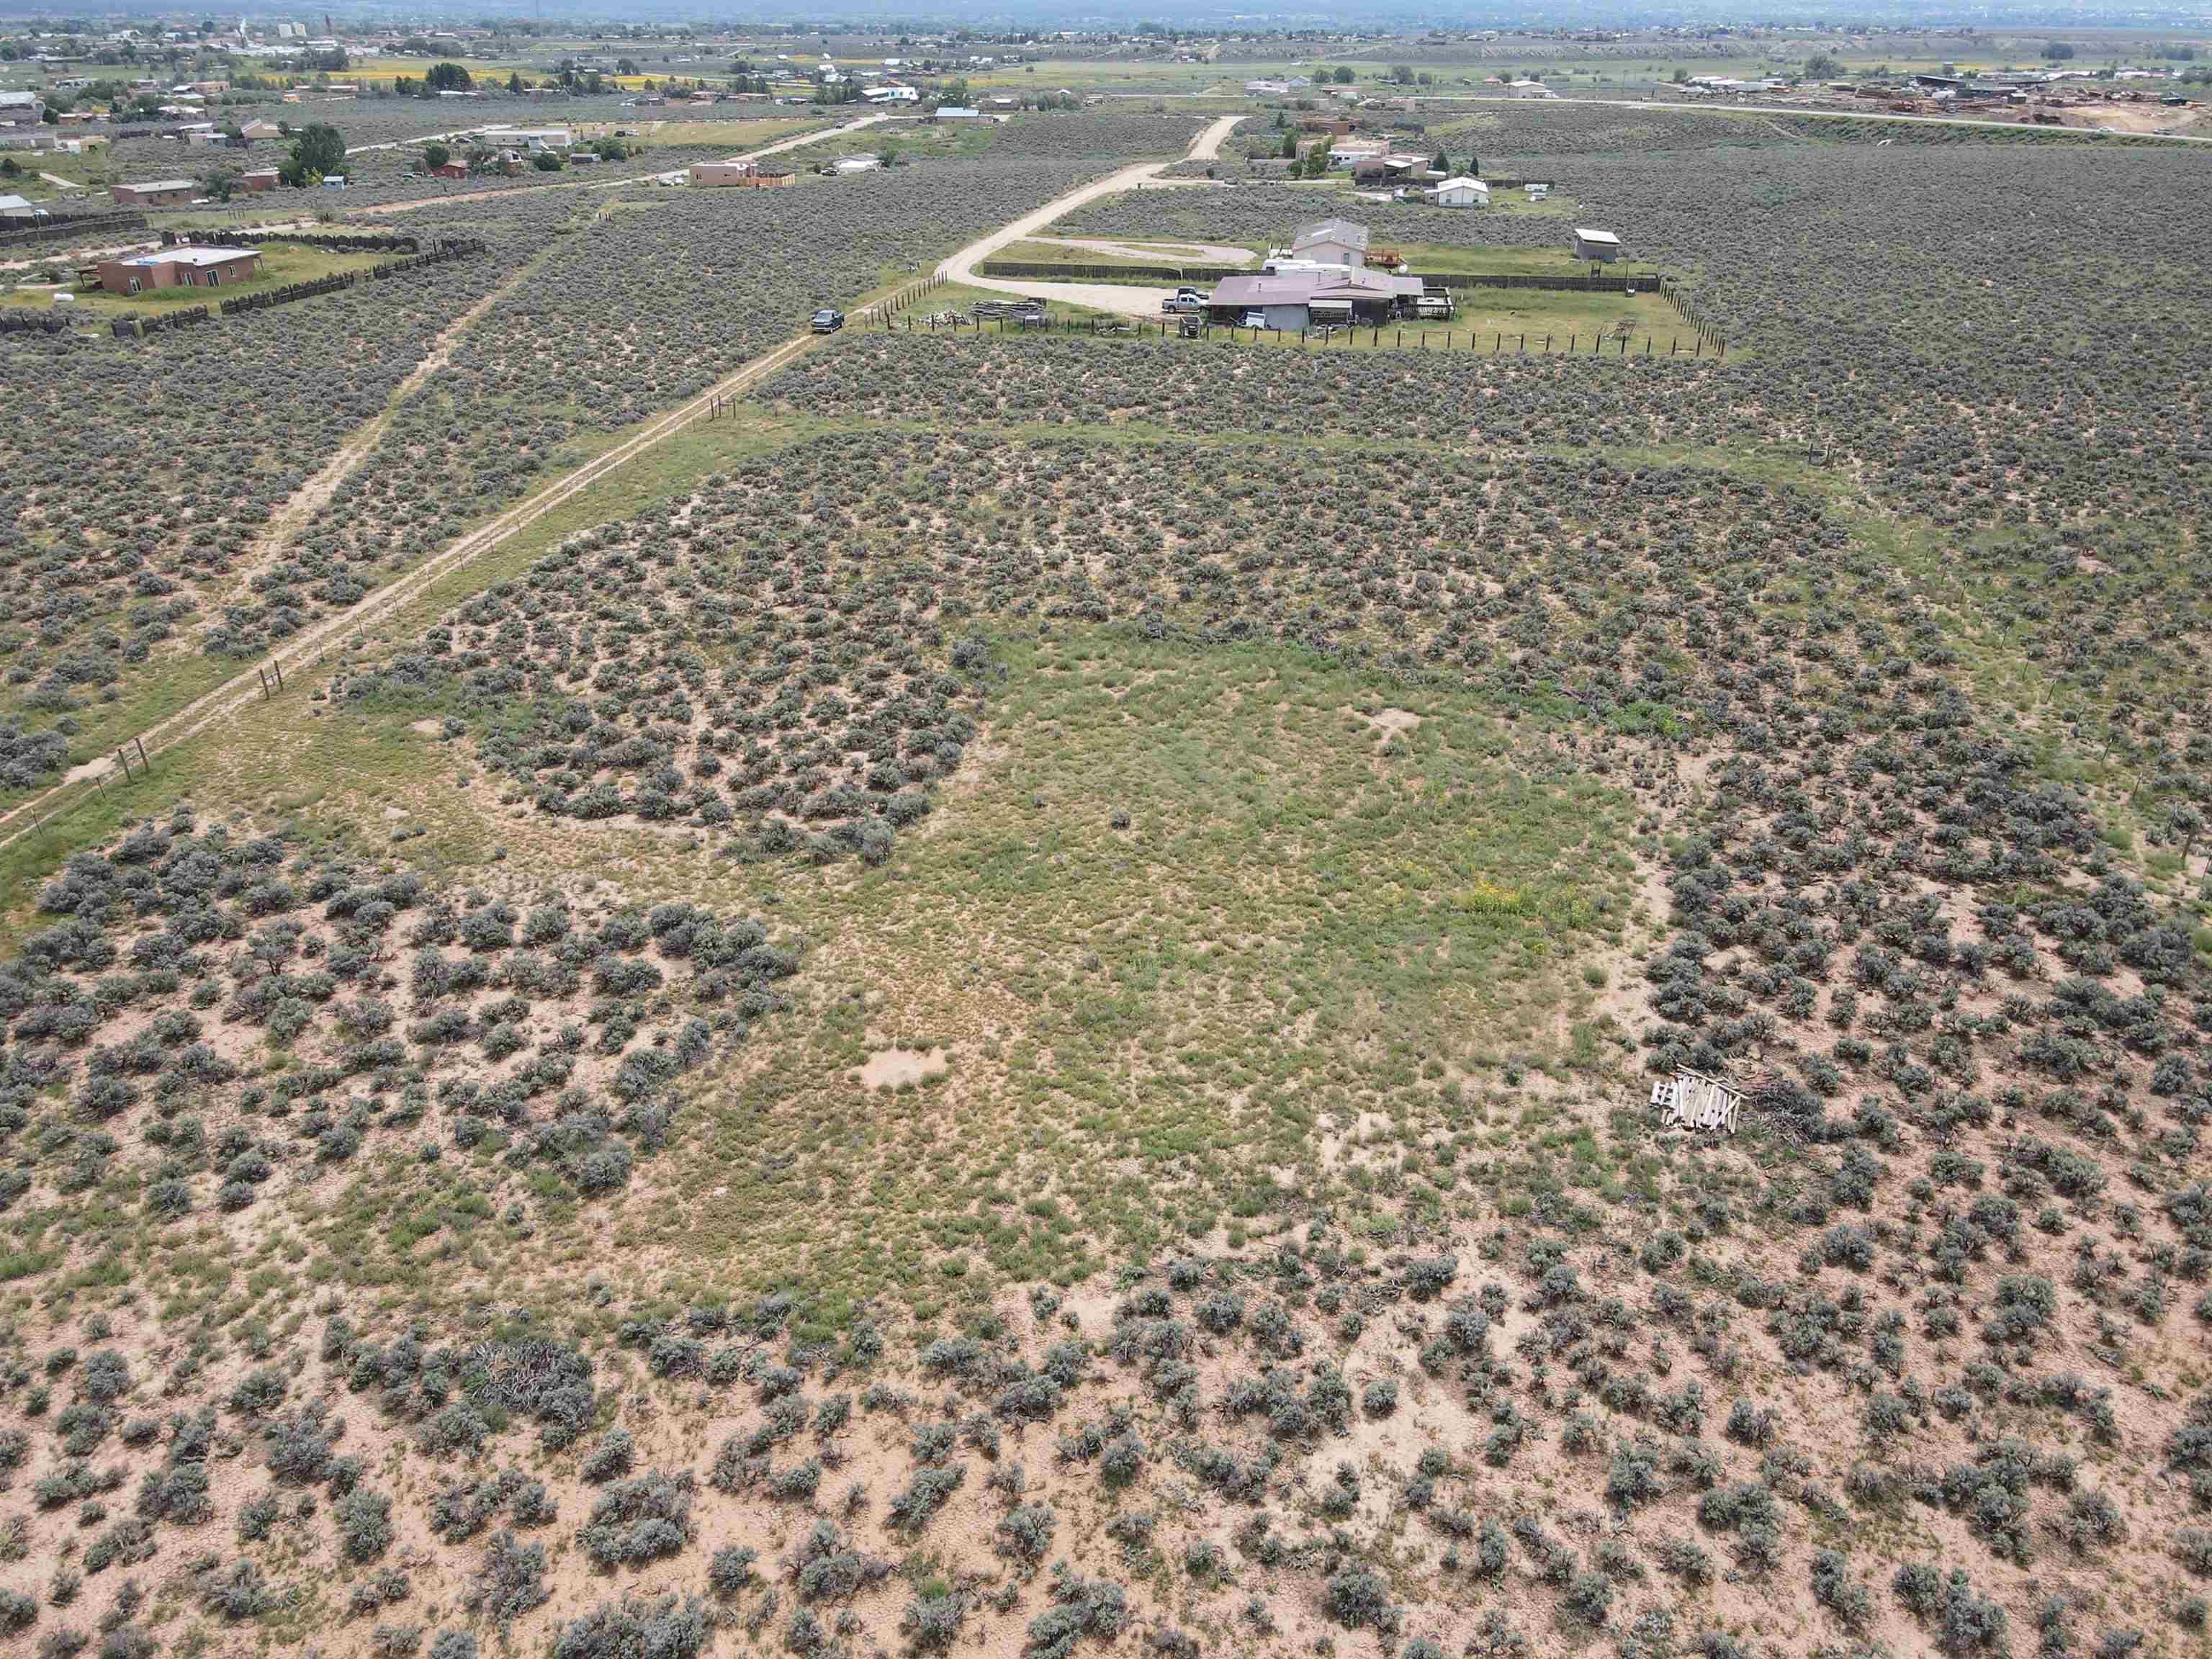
x,y
1331,242
892,94
1529,89
1462,192
1599,244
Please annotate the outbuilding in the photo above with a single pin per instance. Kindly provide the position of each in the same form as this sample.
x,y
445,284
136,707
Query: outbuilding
x,y
1599,244
260,180
179,267
18,210
1462,192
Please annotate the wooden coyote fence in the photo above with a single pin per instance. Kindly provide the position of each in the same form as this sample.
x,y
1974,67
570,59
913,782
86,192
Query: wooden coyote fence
x,y
1641,282
132,328
394,243
33,322
1039,271
1638,282
445,251
65,229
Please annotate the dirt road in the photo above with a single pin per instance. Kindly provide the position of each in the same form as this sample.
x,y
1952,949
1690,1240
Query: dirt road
x,y
797,141
1099,296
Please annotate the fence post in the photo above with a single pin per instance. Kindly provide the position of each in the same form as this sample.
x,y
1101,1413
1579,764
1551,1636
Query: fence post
x,y
142,760
278,669
126,759
265,682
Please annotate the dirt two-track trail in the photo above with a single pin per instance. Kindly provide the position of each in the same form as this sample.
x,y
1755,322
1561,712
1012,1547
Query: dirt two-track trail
x,y
306,648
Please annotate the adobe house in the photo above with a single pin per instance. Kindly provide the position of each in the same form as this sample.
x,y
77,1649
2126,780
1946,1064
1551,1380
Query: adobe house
x,y
179,267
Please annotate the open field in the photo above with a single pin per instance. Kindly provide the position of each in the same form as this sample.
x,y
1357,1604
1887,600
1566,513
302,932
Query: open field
x,y
989,992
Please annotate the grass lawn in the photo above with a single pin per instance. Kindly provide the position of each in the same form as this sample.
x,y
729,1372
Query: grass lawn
x,y
282,262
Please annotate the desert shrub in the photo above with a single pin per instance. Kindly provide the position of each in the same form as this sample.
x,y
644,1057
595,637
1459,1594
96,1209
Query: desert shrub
x,y
660,1628
641,1518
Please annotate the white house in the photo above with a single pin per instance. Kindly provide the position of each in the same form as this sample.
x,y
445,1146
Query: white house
x,y
1462,192
891,93
1529,89
1331,242
1538,192
857,164
17,207
1599,244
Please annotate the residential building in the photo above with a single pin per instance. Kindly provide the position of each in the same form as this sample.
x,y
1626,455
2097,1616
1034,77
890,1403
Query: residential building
x,y
737,175
1529,89
260,180
956,113
1331,242
179,267
19,211
21,109
1302,299
1462,192
158,192
892,94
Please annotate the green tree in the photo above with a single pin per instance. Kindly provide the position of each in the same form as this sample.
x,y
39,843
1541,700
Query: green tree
x,y
1290,145
448,78
219,183
316,153
2057,50
1403,73
1343,75
546,162
436,156
1441,164
515,82
1317,162
1823,66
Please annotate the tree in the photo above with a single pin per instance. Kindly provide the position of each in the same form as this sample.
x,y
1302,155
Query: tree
x,y
626,66
2057,50
1403,73
316,153
1290,145
448,78
546,161
436,156
1317,162
1441,164
219,183
1343,76
1823,66
515,82
1473,165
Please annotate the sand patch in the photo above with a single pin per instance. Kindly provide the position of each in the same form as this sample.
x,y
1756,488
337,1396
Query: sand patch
x,y
1389,722
428,728
894,1068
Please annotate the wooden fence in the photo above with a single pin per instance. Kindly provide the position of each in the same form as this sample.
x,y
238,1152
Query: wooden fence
x,y
68,227
35,322
1641,281
132,328
1697,344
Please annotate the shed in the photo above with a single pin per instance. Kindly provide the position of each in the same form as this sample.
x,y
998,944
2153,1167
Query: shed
x,y
20,208
260,180
1599,244
1462,192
